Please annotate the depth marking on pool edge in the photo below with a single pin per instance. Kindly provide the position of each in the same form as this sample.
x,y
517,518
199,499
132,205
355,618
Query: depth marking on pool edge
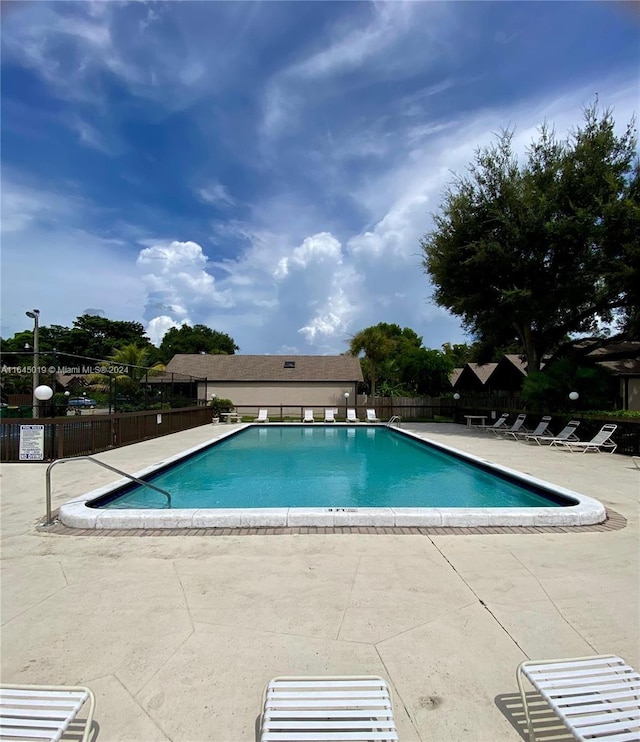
x,y
614,522
342,510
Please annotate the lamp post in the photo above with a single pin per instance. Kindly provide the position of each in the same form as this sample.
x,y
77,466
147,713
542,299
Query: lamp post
x,y
34,315
456,397
346,402
43,393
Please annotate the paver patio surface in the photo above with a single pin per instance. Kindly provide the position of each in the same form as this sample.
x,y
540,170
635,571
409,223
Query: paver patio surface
x,y
177,635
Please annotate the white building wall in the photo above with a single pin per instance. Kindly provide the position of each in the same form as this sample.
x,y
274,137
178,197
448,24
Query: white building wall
x,y
273,394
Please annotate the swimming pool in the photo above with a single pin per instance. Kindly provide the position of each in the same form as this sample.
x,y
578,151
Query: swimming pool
x,y
288,475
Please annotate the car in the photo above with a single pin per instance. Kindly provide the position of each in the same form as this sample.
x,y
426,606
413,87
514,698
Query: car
x,y
82,402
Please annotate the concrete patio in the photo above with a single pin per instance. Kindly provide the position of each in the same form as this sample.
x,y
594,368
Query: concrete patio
x,y
177,634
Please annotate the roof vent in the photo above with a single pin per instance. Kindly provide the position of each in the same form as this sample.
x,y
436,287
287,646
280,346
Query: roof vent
x,y
289,364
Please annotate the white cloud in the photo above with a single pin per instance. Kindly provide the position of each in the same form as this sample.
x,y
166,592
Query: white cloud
x,y
356,44
378,37
51,262
178,284
216,194
316,249
158,326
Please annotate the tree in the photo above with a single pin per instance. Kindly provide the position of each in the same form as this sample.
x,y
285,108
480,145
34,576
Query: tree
x,y
134,361
536,252
548,390
458,353
425,371
196,339
396,363
93,336
377,345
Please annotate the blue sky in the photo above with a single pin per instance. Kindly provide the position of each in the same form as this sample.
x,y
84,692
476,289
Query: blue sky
x,y
267,169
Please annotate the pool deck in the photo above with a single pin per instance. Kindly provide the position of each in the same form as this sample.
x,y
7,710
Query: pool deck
x,y
177,634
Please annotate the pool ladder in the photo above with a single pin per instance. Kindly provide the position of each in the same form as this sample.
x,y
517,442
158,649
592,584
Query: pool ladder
x,y
49,520
394,420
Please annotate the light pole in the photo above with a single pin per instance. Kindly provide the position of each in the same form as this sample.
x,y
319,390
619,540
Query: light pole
x,y
35,314
346,402
43,393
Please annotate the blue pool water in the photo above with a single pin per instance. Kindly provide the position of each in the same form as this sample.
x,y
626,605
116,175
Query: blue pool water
x,y
325,467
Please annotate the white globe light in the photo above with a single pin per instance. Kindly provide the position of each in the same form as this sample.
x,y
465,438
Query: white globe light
x,y
43,392
573,396
456,396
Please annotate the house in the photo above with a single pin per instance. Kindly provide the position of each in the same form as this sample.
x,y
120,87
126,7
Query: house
x,y
508,374
269,381
472,377
622,359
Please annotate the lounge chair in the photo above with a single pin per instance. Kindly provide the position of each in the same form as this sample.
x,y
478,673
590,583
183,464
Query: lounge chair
x,y
518,424
308,417
596,698
501,422
636,461
263,417
325,708
601,441
351,416
329,415
540,429
43,712
371,417
566,434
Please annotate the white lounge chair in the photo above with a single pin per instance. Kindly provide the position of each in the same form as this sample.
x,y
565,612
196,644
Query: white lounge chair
x,y
329,415
596,698
355,707
566,434
540,429
43,712
500,423
600,441
371,417
308,417
518,424
636,461
263,417
351,416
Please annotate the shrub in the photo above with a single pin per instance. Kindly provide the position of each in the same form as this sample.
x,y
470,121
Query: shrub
x,y
219,405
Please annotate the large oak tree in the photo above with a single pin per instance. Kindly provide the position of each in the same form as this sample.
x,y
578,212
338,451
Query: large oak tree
x,y
536,251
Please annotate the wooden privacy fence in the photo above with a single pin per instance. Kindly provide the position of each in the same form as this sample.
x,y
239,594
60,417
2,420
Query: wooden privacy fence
x,y
88,434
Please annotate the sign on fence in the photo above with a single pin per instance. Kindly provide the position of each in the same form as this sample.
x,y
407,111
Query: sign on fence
x,y
32,443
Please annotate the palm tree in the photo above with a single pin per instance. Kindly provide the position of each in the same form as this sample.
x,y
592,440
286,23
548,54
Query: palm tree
x,y
130,363
376,347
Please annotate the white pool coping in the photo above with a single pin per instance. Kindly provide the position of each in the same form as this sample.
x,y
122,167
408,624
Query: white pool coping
x,y
586,511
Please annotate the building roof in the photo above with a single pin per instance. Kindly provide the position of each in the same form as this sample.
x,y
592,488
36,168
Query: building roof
x,y
616,349
517,361
623,366
266,368
482,371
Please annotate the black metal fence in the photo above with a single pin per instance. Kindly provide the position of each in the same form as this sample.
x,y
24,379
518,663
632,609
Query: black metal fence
x,y
88,434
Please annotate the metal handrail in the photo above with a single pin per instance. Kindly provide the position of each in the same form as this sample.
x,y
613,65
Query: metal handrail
x,y
49,520
394,420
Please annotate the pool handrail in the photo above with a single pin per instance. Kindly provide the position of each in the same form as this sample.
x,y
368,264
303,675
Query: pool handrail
x,y
49,520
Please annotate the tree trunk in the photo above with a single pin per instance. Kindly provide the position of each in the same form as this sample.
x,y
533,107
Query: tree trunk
x,y
530,350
